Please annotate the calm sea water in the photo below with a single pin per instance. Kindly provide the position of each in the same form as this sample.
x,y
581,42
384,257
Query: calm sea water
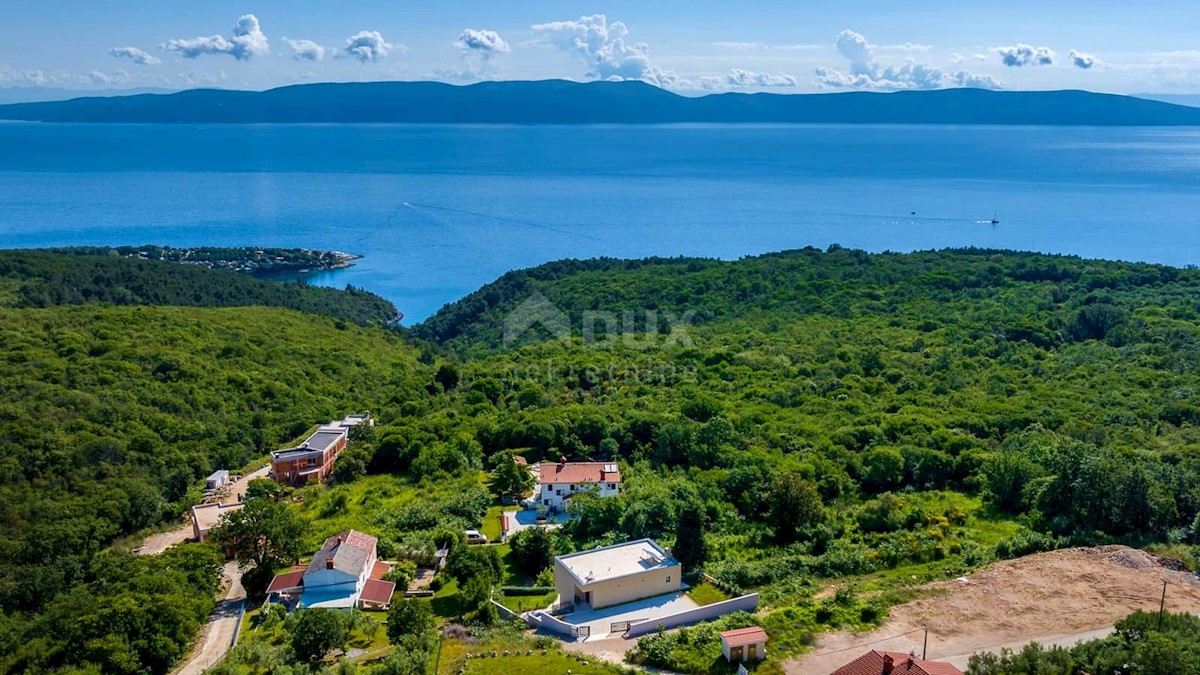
x,y
439,211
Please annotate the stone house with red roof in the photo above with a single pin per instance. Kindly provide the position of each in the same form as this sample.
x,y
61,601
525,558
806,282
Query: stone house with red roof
x,y
877,662
558,482
344,573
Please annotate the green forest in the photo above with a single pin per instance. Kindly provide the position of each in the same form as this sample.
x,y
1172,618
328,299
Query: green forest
x,y
782,421
42,278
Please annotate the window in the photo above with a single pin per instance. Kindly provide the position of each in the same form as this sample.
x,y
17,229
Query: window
x,y
668,578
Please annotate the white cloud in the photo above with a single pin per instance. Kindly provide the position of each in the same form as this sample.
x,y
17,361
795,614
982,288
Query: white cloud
x,y
745,78
366,46
34,78
602,46
964,79
866,72
485,42
99,77
247,42
196,79
136,55
305,50
1018,55
956,58
1082,60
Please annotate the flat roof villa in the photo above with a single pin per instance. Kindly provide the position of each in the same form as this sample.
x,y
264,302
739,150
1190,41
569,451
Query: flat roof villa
x,y
612,575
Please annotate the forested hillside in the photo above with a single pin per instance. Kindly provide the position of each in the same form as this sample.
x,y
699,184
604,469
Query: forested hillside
x,y
33,278
110,416
800,419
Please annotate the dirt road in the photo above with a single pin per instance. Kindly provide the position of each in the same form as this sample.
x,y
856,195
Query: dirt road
x,y
1060,597
217,638
157,543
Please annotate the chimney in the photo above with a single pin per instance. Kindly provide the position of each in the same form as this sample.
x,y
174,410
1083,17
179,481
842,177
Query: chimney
x,y
329,563
887,664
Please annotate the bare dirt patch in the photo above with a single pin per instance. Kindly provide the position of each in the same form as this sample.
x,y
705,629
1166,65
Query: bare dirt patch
x,y
1053,597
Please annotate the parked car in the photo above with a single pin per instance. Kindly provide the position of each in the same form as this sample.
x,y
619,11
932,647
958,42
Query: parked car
x,y
476,537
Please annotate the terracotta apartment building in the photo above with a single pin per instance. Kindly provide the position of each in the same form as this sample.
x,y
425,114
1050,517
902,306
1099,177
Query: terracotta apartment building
x,y
312,461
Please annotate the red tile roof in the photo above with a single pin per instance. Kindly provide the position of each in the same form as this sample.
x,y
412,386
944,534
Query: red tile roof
x,y
378,592
520,460
744,636
578,472
872,663
283,582
354,539
381,568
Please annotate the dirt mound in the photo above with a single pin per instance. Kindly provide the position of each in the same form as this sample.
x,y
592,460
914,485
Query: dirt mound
x,y
1047,597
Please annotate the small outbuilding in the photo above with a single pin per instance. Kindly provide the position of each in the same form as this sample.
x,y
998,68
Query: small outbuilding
x,y
218,479
207,516
744,644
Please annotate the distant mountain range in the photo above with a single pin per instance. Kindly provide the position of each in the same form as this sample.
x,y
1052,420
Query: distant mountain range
x,y
38,94
563,102
1192,100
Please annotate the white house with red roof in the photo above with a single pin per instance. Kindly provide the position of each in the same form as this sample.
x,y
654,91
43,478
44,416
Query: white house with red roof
x,y
345,573
558,482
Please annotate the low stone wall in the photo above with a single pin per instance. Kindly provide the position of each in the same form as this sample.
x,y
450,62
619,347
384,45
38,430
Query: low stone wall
x,y
553,624
745,603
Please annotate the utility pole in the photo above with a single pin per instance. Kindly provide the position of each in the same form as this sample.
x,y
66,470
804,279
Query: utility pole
x,y
1162,604
925,644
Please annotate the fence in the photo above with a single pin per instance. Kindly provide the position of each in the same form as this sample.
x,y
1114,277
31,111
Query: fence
x,y
745,603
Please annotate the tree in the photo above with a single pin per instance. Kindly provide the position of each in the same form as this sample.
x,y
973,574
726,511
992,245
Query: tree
x,y
534,549
447,376
263,535
349,467
510,479
690,548
795,507
475,562
407,618
476,596
882,469
1005,475
318,632
264,487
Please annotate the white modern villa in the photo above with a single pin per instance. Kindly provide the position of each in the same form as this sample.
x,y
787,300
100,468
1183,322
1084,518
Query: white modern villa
x,y
614,575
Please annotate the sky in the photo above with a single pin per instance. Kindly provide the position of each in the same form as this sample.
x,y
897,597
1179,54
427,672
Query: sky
x,y
689,47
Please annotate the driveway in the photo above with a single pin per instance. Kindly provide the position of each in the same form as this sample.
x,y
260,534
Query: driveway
x,y
223,625
157,543
600,620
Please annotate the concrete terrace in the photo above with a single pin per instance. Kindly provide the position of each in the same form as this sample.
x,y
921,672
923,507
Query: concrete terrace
x,y
600,621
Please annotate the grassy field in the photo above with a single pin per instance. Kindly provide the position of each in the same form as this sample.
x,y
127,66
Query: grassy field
x,y
525,603
491,527
547,657
705,593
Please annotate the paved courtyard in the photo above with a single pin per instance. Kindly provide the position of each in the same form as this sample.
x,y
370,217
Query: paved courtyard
x,y
600,620
515,521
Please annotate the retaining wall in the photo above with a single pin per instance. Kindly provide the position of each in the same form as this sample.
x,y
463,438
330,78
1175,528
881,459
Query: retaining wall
x,y
745,603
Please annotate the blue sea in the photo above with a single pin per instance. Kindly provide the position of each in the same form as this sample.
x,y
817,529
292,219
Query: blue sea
x,y
438,211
